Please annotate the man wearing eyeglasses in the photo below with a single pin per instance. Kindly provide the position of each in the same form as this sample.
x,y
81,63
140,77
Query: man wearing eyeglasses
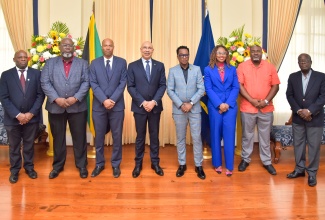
x,y
306,96
185,88
65,82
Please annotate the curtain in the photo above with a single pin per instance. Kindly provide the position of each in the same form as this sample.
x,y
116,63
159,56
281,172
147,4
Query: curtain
x,y
19,19
308,37
127,23
282,18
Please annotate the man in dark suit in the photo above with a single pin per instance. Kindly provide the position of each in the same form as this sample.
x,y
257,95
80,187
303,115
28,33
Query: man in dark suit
x,y
146,83
107,77
306,96
65,82
22,97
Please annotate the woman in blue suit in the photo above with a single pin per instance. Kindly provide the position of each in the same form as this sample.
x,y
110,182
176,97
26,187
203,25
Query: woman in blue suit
x,y
222,88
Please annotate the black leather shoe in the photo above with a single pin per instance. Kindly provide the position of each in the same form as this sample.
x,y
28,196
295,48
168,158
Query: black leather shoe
x,y
157,169
13,178
200,172
295,174
97,171
312,181
54,174
181,170
242,166
31,173
136,171
83,172
116,172
270,169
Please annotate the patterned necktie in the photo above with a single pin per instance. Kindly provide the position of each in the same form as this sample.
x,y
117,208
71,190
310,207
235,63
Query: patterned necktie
x,y
22,79
148,70
108,69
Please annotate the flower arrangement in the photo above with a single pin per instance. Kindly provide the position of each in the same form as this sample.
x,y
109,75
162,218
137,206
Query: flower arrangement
x,y
45,47
239,46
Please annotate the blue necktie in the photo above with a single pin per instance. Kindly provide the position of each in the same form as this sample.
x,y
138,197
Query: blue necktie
x,y
148,70
108,70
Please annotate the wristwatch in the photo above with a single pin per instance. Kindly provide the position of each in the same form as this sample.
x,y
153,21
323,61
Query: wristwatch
x,y
266,102
191,103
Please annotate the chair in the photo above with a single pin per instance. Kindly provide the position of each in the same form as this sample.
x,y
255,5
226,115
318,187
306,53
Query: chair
x,y
281,137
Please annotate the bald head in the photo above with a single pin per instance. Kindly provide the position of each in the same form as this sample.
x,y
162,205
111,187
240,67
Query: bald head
x,y
146,50
21,59
108,48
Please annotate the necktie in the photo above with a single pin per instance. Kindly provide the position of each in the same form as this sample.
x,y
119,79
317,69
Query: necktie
x,y
148,70
108,69
22,79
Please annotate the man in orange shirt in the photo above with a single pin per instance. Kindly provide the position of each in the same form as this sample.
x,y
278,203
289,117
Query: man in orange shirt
x,y
259,83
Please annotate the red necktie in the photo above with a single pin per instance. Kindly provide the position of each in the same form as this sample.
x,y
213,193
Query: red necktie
x,y
22,79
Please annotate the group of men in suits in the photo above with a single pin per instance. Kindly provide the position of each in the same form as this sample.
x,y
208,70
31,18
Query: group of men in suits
x,y
66,80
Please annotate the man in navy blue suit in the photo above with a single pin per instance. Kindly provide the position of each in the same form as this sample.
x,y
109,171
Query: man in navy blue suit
x,y
107,75
146,83
22,97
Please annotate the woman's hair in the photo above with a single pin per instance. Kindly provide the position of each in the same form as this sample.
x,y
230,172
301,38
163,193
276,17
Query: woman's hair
x,y
213,56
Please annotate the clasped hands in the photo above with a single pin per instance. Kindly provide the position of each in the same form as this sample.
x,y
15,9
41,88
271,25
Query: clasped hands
x,y
258,103
223,108
148,105
186,107
65,103
109,103
305,114
24,118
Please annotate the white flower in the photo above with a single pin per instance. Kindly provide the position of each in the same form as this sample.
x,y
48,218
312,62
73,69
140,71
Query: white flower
x,y
47,55
35,66
54,55
32,51
49,40
264,56
247,58
75,42
232,39
79,52
241,50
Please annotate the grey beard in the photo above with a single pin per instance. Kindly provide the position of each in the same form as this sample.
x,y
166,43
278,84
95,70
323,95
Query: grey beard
x,y
67,55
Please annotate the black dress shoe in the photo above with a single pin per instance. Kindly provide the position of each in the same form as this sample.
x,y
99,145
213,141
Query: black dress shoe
x,y
312,181
200,172
295,174
242,166
13,178
54,174
116,172
97,171
270,169
31,173
181,170
157,169
83,172
136,171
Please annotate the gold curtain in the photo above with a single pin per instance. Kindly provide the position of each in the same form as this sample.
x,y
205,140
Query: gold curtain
x,y
282,17
19,19
127,22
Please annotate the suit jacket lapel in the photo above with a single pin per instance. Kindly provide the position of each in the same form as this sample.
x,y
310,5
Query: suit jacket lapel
x,y
17,79
28,76
60,65
311,82
141,67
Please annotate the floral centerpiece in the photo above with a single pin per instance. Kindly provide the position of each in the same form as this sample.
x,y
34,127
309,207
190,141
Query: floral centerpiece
x,y
238,45
45,47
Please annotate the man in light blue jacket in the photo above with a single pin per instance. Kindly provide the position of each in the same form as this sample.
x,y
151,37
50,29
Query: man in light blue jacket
x,y
185,88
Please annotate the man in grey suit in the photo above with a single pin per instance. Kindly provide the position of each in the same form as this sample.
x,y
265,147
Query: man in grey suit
x,y
306,96
65,82
22,97
107,75
146,84
185,88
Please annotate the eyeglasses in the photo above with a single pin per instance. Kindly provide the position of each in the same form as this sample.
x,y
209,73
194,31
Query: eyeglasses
x,y
221,53
67,45
183,55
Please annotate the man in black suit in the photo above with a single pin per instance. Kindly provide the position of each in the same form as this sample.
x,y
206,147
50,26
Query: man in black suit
x,y
306,96
107,75
22,97
146,83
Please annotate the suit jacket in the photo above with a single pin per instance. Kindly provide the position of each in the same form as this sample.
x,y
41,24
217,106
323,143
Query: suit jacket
x,y
313,100
141,89
14,100
105,88
56,85
221,92
179,91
